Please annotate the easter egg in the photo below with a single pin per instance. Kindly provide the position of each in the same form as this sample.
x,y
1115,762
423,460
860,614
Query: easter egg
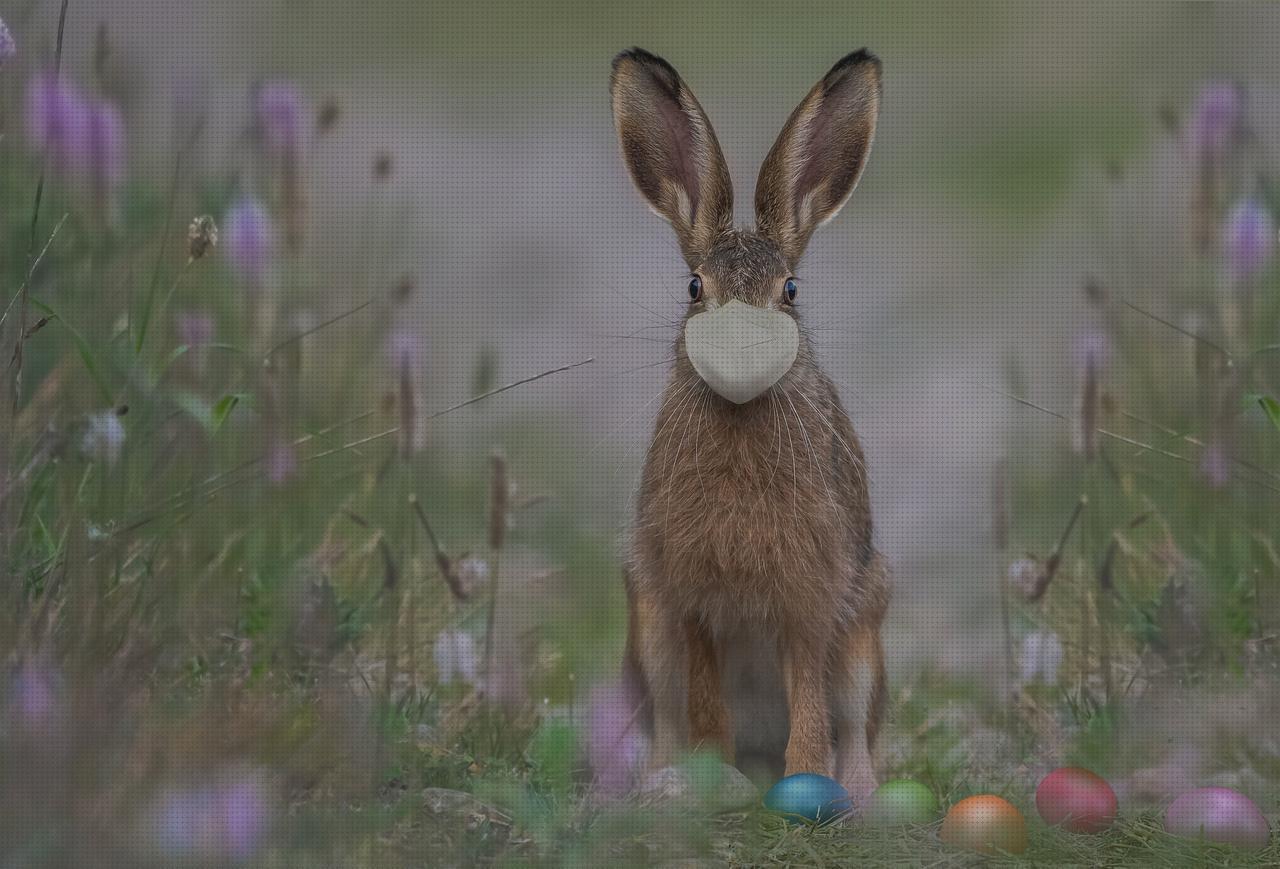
x,y
1218,815
1077,800
809,797
986,824
901,802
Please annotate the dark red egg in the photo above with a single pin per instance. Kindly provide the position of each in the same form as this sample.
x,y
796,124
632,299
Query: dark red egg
x,y
1077,800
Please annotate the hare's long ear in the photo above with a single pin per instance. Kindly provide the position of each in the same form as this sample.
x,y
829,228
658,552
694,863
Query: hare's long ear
x,y
671,150
814,166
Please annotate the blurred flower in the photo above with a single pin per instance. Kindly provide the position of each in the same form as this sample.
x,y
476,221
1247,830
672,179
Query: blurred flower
x,y
202,236
1248,240
220,822
1215,121
1025,576
8,48
249,241
34,696
1041,657
103,437
473,573
403,349
1092,350
58,122
615,739
456,657
244,813
282,462
282,119
1215,464
196,328
106,145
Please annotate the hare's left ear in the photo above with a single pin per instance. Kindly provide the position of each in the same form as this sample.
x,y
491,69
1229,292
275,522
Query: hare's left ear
x,y
820,153
671,150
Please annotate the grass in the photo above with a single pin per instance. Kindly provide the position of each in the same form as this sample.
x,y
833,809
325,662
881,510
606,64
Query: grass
x,y
237,593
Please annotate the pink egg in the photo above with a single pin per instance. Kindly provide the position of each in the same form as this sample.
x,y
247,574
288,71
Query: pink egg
x,y
1218,815
1076,800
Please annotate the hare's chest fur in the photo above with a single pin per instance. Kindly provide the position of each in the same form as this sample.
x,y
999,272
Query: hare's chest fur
x,y
740,515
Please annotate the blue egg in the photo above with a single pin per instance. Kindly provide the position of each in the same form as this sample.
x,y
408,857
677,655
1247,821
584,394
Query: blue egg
x,y
808,797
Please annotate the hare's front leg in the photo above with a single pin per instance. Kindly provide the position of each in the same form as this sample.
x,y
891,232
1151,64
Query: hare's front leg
x,y
708,714
857,705
805,652
659,645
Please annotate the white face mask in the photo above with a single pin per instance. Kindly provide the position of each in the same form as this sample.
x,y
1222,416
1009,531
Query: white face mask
x,y
740,350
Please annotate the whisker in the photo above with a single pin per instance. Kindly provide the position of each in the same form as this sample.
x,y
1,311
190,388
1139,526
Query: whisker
x,y
650,365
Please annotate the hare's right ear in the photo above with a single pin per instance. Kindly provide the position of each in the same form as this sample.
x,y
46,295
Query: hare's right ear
x,y
819,155
671,150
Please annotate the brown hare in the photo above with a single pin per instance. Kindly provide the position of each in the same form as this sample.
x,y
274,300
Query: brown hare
x,y
755,592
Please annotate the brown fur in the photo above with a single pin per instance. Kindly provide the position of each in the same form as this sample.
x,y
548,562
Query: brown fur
x,y
753,533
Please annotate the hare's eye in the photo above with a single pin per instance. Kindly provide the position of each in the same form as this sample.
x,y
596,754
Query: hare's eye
x,y
789,289
695,288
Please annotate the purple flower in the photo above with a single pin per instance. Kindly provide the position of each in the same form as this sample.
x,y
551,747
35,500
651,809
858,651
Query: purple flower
x,y
186,823
1215,464
1215,121
195,328
282,118
35,690
249,241
282,462
58,122
615,740
1092,350
218,822
8,48
1248,240
106,145
403,349
244,813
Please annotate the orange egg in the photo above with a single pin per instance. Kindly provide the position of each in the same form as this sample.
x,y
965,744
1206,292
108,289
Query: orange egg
x,y
986,824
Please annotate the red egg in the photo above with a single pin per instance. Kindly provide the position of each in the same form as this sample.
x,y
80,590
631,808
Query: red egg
x,y
1077,800
986,824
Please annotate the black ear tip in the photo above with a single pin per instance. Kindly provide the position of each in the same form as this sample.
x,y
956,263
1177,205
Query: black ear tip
x,y
647,60
636,55
860,59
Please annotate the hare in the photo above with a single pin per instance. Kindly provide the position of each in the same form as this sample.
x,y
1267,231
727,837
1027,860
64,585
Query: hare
x,y
755,592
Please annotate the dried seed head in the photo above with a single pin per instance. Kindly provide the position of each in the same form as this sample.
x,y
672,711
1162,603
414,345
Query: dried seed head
x,y
202,237
404,288
328,116
499,502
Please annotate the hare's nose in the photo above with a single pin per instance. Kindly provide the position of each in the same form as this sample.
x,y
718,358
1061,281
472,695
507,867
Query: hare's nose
x,y
740,350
